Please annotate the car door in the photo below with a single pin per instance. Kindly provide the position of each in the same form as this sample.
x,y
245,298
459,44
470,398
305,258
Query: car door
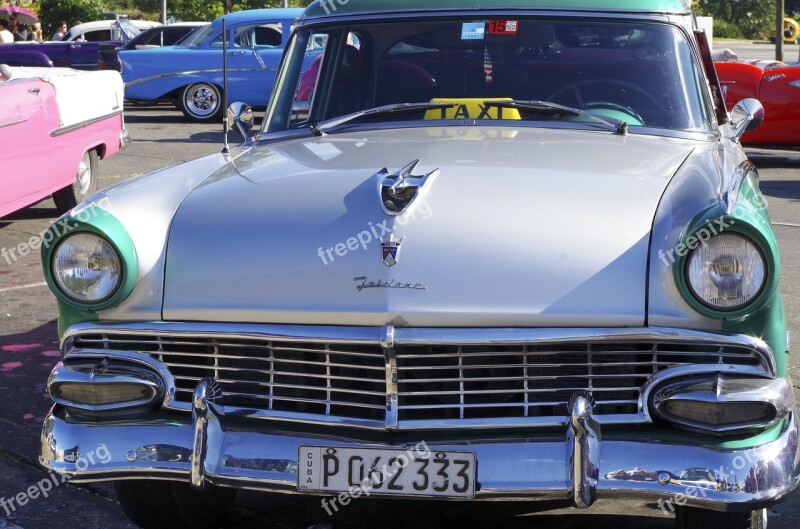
x,y
27,115
253,55
779,92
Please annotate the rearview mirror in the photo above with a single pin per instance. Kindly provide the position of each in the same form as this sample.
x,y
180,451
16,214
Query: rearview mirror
x,y
242,117
746,115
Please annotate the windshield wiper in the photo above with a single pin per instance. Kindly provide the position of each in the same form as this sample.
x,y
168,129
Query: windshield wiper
x,y
319,129
546,107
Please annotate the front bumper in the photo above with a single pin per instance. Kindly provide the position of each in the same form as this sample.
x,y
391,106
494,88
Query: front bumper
x,y
577,466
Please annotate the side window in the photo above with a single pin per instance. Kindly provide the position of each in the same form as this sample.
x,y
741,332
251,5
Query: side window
x,y
97,36
307,83
243,36
261,34
269,35
217,42
343,94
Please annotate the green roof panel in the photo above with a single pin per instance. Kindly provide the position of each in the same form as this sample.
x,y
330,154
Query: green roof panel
x,y
346,7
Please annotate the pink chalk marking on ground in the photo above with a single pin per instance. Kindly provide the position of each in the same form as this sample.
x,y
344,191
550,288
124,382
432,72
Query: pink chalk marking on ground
x,y
20,347
10,366
29,416
51,353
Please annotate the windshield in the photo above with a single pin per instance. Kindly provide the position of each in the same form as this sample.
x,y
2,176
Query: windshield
x,y
641,73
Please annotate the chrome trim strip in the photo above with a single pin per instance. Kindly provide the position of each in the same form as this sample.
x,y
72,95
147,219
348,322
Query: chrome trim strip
x,y
193,72
261,61
9,123
729,196
69,128
390,359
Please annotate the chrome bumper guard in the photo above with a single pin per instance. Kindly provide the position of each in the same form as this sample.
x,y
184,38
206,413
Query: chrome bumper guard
x,y
124,139
577,466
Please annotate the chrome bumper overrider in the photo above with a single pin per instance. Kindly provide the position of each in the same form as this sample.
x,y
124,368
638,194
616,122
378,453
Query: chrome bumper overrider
x,y
576,465
124,139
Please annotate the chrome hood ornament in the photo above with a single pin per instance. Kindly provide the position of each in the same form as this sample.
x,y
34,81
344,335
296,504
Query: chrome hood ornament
x,y
399,190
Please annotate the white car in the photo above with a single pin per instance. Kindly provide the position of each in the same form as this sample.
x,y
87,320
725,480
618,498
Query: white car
x,y
482,250
103,30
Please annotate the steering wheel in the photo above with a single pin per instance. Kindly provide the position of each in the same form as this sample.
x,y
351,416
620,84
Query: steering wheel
x,y
575,88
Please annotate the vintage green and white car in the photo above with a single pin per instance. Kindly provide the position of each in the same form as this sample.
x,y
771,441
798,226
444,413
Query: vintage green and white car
x,y
479,250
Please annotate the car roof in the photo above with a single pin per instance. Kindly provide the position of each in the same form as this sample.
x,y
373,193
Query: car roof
x,y
104,24
258,14
321,8
178,25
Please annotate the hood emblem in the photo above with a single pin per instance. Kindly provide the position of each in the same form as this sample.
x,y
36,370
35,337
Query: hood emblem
x,y
399,190
390,250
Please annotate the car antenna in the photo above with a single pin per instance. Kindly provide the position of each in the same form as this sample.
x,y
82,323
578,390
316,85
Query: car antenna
x,y
225,126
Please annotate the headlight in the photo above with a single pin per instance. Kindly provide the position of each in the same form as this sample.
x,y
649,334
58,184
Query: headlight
x,y
86,268
727,272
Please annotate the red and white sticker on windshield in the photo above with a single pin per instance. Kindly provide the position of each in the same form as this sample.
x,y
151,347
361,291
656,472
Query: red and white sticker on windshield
x,y
503,27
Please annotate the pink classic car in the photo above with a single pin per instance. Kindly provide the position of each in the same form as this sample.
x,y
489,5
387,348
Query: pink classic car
x,y
55,123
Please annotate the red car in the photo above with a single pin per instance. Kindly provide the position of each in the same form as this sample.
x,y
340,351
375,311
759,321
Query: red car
x,y
777,86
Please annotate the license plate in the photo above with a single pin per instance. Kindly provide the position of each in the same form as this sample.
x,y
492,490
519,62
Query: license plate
x,y
386,471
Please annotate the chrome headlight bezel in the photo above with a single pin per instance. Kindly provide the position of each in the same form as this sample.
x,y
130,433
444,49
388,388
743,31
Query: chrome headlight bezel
x,y
100,223
754,294
111,257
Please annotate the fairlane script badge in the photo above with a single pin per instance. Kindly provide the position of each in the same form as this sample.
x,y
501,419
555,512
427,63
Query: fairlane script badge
x,y
364,283
390,250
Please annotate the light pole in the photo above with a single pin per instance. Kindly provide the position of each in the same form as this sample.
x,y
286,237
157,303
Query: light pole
x,y
778,30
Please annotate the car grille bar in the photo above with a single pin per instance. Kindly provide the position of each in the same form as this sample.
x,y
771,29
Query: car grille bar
x,y
412,379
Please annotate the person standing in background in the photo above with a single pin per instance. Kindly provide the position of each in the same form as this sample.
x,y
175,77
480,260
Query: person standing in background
x,y
60,30
5,35
35,32
17,29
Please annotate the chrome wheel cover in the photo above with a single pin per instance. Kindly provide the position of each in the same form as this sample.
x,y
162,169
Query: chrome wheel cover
x,y
201,100
84,176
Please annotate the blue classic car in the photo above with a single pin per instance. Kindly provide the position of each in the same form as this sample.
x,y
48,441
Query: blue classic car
x,y
191,73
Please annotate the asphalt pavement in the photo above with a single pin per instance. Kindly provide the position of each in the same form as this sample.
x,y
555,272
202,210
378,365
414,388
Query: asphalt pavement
x,y
28,350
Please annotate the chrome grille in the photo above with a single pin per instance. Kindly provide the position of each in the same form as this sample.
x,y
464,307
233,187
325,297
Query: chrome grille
x,y
483,382
437,385
302,377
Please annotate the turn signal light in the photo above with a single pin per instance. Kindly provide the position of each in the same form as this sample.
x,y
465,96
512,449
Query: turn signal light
x,y
719,413
98,394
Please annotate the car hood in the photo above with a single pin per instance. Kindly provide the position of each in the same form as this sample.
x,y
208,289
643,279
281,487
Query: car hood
x,y
520,227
